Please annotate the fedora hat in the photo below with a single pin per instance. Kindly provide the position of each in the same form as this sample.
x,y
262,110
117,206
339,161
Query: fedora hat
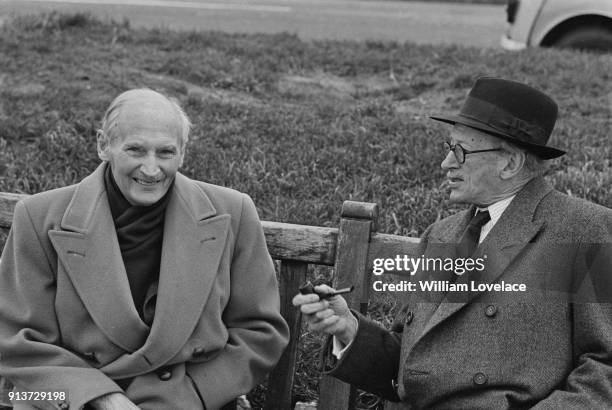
x,y
512,111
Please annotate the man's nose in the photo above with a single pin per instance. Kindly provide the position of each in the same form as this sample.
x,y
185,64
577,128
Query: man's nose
x,y
149,167
449,161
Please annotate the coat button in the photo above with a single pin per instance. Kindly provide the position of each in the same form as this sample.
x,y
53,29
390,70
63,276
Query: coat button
x,y
198,351
409,317
480,378
164,374
63,405
491,310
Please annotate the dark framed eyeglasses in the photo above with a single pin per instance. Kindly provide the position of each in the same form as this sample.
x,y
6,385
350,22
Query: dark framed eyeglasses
x,y
459,152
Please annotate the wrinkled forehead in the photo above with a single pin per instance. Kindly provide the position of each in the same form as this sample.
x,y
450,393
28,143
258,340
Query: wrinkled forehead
x,y
141,112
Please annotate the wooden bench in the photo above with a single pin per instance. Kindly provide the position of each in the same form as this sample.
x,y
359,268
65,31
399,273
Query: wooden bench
x,y
350,249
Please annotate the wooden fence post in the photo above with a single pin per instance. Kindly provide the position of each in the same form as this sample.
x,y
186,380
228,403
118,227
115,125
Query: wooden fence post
x,y
7,206
279,397
356,226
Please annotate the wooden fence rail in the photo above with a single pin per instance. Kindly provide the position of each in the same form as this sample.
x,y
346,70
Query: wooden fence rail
x,y
350,249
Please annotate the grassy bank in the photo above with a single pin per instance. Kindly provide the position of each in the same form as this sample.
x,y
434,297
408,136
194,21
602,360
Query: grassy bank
x,y
300,126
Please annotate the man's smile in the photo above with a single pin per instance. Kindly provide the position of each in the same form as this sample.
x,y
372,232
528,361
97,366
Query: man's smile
x,y
147,182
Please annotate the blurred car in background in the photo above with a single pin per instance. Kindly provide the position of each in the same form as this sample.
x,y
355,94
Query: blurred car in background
x,y
579,24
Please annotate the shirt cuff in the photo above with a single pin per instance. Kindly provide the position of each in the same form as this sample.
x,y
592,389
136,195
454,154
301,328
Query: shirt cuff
x,y
339,348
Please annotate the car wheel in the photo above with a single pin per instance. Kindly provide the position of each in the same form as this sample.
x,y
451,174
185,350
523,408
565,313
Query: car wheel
x,y
586,38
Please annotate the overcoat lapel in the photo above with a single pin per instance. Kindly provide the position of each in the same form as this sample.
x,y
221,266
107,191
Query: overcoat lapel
x,y
441,244
512,232
88,248
192,249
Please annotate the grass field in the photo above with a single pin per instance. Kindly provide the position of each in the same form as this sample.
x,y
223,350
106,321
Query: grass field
x,y
300,126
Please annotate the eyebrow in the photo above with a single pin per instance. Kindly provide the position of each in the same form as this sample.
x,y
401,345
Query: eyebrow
x,y
140,144
133,145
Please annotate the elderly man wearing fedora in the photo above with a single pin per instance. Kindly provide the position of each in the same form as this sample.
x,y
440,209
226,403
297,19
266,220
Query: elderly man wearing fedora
x,y
137,288
550,348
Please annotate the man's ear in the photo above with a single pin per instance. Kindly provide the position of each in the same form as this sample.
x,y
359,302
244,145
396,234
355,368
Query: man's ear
x,y
103,144
515,162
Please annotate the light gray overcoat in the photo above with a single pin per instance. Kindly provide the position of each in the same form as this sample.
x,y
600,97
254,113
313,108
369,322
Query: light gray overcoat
x,y
68,321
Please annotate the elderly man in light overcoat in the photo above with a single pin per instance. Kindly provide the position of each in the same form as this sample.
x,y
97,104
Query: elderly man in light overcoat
x,y
548,348
138,288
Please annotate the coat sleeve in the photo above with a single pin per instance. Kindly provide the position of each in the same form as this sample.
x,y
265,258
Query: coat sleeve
x,y
371,362
31,355
257,332
589,384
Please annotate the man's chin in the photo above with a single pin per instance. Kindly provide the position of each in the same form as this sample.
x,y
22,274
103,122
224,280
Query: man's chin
x,y
146,199
456,198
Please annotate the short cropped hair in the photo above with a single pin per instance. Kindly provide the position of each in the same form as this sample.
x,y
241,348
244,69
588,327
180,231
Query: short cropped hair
x,y
535,165
110,121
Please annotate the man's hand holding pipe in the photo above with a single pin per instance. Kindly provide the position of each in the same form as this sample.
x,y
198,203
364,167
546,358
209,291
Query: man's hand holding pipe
x,y
331,316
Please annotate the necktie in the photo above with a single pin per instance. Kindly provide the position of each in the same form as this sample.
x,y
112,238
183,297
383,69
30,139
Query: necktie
x,y
469,240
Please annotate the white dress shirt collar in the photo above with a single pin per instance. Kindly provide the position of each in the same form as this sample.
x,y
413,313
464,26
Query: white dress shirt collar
x,y
495,211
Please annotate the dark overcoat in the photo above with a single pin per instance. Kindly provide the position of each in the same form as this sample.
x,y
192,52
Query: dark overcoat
x,y
549,348
67,317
